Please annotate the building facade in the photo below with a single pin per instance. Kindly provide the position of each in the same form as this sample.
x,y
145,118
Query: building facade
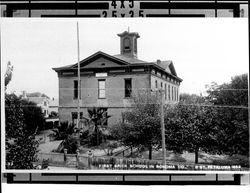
x,y
108,81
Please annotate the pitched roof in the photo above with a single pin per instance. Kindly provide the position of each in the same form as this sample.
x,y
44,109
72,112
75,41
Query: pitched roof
x,y
37,100
130,60
90,58
36,94
123,60
129,33
167,65
164,65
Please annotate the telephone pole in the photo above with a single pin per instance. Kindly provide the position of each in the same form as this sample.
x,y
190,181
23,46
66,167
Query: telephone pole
x,y
163,129
79,86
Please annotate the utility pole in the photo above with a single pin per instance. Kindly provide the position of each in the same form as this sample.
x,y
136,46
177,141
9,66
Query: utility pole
x,y
79,86
163,130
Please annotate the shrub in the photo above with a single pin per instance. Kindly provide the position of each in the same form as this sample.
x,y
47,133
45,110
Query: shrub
x,y
70,144
236,159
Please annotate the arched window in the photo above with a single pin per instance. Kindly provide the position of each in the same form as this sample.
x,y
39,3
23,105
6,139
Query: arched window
x,y
126,43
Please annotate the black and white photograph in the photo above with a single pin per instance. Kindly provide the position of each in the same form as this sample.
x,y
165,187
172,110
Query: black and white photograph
x,y
125,95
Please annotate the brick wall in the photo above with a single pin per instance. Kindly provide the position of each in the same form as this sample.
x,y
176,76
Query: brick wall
x,y
115,99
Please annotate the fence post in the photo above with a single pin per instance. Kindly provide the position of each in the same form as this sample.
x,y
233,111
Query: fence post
x,y
65,154
77,158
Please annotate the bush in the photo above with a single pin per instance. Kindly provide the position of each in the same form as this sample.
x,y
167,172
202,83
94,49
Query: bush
x,y
89,138
178,158
64,130
236,159
70,144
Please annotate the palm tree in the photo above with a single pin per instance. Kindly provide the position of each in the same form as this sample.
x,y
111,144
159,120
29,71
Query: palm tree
x,y
64,130
98,116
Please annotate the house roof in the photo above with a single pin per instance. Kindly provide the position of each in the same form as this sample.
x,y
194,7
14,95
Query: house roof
x,y
166,66
36,94
37,100
91,58
129,33
130,60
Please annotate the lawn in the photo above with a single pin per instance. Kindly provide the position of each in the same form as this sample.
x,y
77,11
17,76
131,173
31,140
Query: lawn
x,y
204,158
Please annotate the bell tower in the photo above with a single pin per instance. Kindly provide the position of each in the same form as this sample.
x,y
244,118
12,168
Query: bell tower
x,y
128,44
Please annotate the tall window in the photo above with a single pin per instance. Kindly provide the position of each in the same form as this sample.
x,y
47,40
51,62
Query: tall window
x,y
76,89
172,93
177,94
165,91
101,89
168,92
128,87
156,84
161,85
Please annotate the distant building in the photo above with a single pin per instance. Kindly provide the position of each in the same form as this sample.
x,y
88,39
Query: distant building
x,y
40,99
108,81
53,105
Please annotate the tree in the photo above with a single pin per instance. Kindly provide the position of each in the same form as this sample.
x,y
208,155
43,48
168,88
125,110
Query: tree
x,y
188,128
216,124
70,143
141,125
98,116
14,117
33,116
191,99
21,153
64,130
231,102
234,93
21,146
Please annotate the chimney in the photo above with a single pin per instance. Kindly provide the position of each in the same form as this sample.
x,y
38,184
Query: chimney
x,y
158,62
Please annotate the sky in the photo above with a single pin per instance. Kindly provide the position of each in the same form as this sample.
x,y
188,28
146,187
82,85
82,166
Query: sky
x,y
202,50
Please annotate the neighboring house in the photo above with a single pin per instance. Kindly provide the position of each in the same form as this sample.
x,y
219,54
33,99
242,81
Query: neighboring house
x,y
40,99
53,105
108,81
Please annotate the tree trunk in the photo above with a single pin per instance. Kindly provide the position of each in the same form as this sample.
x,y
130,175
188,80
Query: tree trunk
x,y
150,152
196,155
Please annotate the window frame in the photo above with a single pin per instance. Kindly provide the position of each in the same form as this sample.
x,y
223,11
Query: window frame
x,y
172,93
165,91
125,89
169,93
75,90
99,89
